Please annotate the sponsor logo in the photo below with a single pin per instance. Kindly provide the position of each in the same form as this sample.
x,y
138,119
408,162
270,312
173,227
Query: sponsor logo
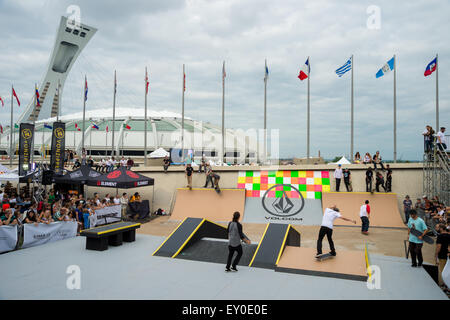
x,y
59,133
131,174
114,174
106,183
26,134
285,207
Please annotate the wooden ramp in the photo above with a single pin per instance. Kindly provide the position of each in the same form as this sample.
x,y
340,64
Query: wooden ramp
x,y
383,208
208,204
350,265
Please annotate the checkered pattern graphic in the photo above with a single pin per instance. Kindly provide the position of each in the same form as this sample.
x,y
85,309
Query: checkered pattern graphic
x,y
311,184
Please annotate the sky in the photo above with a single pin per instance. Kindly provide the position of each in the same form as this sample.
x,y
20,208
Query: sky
x,y
164,35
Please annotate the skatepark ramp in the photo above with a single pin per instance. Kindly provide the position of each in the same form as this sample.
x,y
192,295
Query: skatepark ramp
x,y
187,233
383,208
273,242
208,204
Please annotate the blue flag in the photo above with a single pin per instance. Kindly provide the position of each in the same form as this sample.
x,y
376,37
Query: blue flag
x,y
386,68
346,67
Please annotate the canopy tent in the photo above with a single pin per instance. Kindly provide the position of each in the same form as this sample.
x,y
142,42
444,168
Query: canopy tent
x,y
159,153
9,176
343,160
80,176
121,178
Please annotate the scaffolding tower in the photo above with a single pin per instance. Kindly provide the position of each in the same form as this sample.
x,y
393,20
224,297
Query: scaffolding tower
x,y
436,174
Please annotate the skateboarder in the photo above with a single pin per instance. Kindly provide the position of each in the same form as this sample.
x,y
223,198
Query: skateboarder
x,y
235,235
347,179
416,243
215,178
369,178
379,182
388,179
208,175
189,171
364,214
326,228
338,176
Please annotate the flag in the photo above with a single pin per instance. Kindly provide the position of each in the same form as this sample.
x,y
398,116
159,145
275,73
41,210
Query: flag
x,y
184,81
107,129
15,95
224,74
85,90
1,128
76,126
266,73
346,67
146,82
125,126
304,72
94,126
386,68
46,125
37,97
115,84
3,104
16,126
431,67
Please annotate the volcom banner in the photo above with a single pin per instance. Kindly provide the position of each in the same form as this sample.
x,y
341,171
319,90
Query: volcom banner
x,y
58,145
26,133
106,215
8,238
43,233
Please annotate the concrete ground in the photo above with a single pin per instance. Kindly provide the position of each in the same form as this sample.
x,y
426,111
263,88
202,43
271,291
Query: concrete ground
x,y
131,272
382,241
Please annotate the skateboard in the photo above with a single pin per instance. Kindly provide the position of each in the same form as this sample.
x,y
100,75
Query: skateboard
x,y
425,238
324,256
217,189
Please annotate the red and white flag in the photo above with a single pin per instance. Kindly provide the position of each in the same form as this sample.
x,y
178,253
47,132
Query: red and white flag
x,y
76,126
304,72
1,128
15,95
146,82
3,104
107,129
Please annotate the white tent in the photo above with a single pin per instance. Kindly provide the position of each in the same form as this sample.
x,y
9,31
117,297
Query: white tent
x,y
159,153
9,176
343,160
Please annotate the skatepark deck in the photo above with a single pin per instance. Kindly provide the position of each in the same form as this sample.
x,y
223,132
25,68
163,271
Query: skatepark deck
x,y
208,204
350,265
383,208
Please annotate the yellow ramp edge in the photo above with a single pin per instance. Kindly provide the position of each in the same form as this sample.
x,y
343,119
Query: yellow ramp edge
x,y
259,244
169,236
189,238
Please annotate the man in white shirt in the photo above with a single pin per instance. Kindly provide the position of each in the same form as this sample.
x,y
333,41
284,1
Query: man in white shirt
x,y
441,139
338,176
326,228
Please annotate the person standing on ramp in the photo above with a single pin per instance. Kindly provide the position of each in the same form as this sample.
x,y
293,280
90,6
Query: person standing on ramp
x,y
189,171
364,214
235,235
326,228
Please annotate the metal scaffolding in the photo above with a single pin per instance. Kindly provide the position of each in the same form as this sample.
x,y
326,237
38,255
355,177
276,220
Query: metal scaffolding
x,y
436,174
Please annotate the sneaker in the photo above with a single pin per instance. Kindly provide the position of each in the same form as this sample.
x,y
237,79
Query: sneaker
x,y
227,269
233,269
333,254
414,265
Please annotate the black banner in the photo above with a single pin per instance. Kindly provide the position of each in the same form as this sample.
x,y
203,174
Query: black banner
x,y
58,147
26,134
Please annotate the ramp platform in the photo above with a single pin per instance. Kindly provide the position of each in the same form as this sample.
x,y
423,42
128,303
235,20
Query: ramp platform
x,y
271,247
383,208
208,204
187,233
349,265
112,234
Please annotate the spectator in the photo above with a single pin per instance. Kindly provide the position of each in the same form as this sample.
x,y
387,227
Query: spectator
x,y
440,139
202,164
124,203
123,162
90,162
379,182
116,199
376,159
367,158
347,179
46,217
357,158
416,243
188,172
369,178
407,206
8,218
130,163
388,179
31,217
441,253
166,163
338,176
428,139
86,218
136,197
419,204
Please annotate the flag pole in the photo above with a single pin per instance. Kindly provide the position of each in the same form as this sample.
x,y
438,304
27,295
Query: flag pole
x,y
84,116
114,115
352,117
223,113
265,112
437,94
308,117
182,119
395,109
34,121
11,129
59,103
145,117
106,137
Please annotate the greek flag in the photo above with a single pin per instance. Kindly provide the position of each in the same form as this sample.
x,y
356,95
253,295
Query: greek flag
x,y
346,67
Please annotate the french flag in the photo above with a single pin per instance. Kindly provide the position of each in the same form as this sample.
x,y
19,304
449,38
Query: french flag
x,y
304,72
431,67
95,126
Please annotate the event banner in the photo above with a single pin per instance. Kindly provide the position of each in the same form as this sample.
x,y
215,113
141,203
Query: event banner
x,y
106,215
8,238
26,134
35,235
58,145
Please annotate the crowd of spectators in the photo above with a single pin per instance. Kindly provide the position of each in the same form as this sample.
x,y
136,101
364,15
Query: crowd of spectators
x,y
104,165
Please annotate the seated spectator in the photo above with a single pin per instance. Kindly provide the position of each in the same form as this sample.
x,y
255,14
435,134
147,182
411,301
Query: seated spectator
x,y
376,159
90,162
130,163
46,217
8,218
116,199
367,158
136,197
31,217
357,158
123,162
